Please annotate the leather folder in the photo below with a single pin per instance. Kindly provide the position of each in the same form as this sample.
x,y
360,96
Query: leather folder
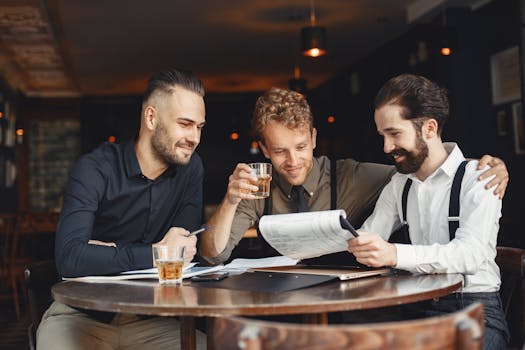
x,y
269,281
341,273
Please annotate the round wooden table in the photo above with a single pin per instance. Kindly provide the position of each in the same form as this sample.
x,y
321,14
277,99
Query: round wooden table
x,y
192,299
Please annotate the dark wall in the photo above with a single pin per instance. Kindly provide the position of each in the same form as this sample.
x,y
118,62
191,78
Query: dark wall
x,y
478,34
225,113
466,74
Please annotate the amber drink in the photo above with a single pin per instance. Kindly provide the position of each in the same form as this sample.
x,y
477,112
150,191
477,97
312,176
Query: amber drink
x,y
169,261
263,172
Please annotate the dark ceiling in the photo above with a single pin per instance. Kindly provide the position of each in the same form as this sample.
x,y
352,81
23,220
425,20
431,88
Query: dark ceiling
x,y
78,47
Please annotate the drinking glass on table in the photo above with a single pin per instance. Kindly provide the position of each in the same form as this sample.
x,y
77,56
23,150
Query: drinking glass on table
x,y
169,260
263,172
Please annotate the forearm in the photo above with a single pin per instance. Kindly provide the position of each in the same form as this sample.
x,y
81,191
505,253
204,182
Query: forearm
x,y
457,256
83,259
215,239
75,256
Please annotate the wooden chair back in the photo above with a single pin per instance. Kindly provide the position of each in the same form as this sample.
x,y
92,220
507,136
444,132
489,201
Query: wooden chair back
x,y
511,262
460,330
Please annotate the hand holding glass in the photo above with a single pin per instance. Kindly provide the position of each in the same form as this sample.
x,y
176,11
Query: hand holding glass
x,y
263,172
169,260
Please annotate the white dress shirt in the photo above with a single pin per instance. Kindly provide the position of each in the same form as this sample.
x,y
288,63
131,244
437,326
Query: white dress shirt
x,y
471,252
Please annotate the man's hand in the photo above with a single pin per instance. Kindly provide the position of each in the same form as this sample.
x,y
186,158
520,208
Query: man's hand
x,y
498,168
239,186
177,236
372,250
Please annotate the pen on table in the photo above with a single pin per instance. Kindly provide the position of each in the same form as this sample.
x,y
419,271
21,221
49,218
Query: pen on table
x,y
202,229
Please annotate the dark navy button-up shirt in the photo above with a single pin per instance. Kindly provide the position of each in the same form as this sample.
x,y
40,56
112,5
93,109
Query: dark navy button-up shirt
x,y
109,199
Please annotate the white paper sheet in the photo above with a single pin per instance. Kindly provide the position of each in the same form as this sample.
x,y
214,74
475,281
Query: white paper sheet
x,y
305,235
189,271
240,264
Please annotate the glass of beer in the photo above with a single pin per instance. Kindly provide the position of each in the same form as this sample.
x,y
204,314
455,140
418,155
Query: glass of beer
x,y
169,261
263,172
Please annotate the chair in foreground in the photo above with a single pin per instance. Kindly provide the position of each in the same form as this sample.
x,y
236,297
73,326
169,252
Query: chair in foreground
x,y
460,330
511,262
40,277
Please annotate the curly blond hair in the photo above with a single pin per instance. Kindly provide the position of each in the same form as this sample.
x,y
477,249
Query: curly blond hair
x,y
286,107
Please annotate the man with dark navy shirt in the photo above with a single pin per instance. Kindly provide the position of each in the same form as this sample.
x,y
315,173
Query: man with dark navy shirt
x,y
122,198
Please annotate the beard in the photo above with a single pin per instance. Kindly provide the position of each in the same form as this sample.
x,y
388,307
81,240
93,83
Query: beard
x,y
413,159
161,146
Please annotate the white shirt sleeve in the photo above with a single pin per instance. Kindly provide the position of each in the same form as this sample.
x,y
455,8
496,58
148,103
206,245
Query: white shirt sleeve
x,y
385,216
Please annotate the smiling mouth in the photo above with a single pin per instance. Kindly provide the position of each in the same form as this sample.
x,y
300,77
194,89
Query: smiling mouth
x,y
294,171
186,148
398,155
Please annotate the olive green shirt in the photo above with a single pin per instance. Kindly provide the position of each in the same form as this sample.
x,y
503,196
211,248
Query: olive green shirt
x,y
358,187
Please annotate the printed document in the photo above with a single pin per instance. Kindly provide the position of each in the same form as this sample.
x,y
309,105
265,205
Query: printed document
x,y
152,273
241,264
306,235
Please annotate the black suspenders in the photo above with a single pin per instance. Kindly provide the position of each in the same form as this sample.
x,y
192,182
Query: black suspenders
x,y
333,184
453,209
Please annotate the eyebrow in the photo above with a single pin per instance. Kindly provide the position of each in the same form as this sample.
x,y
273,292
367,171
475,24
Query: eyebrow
x,y
390,129
190,121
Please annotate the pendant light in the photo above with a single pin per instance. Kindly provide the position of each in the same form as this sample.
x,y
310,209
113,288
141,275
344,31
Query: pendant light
x,y
313,38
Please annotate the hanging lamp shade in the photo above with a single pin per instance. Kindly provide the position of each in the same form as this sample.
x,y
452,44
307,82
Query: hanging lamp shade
x,y
313,41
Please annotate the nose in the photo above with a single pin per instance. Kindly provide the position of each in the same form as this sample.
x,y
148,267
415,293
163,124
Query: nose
x,y
194,135
388,146
292,158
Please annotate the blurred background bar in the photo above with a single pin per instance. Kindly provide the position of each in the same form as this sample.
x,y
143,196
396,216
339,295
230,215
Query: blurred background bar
x,y
72,73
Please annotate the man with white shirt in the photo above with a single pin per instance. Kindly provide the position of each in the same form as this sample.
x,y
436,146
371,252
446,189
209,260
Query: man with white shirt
x,y
410,112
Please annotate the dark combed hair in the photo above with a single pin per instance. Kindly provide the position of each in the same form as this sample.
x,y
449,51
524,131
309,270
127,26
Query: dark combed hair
x,y
165,81
419,97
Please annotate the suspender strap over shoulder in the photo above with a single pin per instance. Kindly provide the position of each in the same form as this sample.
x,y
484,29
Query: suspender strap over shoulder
x,y
404,198
333,184
453,208
267,205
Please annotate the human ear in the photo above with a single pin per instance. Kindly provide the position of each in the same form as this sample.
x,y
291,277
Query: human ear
x,y
150,117
430,128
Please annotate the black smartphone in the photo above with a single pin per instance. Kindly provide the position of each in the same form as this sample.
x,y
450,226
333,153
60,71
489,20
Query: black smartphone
x,y
206,277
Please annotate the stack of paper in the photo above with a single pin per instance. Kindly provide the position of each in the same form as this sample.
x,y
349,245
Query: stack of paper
x,y
245,264
189,271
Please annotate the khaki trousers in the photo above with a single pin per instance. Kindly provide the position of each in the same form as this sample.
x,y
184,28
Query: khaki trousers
x,y
63,327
